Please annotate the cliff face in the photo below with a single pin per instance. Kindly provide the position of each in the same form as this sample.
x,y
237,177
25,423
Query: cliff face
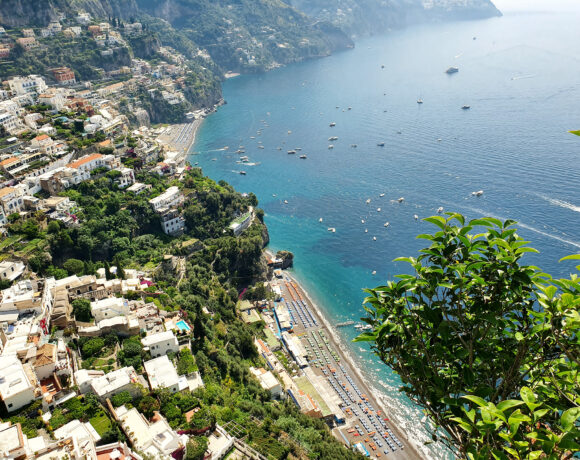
x,y
21,13
368,17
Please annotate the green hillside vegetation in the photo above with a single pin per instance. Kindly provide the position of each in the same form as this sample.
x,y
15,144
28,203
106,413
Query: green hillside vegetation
x,y
487,346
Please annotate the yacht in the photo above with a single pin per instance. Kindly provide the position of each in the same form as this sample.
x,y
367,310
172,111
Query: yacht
x,y
451,70
303,157
386,224
378,209
381,144
382,195
285,201
374,272
354,146
416,217
400,200
466,107
478,193
244,159
330,147
291,152
333,138
260,146
374,238
243,173
362,221
320,220
419,101
332,229
440,209
368,201
366,230
350,108
333,124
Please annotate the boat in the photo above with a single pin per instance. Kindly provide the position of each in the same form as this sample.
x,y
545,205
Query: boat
x,y
374,272
345,323
399,132
349,108
279,148
330,147
285,201
382,195
240,151
362,221
289,132
244,159
366,230
400,200
439,139
252,137
368,201
478,193
416,217
243,173
386,224
320,220
298,149
332,229
381,144
451,70
227,147
382,67
291,152
440,209
274,195
374,238
333,138
419,101
303,157
466,107
378,209
358,326
366,327
333,124
260,146
354,146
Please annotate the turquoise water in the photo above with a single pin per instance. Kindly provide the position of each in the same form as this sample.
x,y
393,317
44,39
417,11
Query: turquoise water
x,y
520,77
183,326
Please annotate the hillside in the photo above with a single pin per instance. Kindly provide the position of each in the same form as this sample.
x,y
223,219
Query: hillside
x,y
368,17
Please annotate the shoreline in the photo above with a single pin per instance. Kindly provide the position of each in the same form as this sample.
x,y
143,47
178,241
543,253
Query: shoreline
x,y
414,450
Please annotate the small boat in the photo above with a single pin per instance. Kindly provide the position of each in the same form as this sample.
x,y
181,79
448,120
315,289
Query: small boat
x,y
274,195
279,148
399,132
260,146
478,193
291,152
320,220
349,108
298,149
451,70
354,146
252,137
386,224
439,139
244,159
332,229
366,230
303,157
362,221
240,151
381,144
227,147
382,67
358,326
374,238
368,201
285,201
346,323
382,195
243,173
333,138
378,209
416,217
440,209
330,147
333,124
374,272
400,200
419,101
466,107
289,132
366,327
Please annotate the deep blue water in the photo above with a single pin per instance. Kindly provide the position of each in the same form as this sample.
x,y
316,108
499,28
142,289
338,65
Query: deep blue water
x,y
521,77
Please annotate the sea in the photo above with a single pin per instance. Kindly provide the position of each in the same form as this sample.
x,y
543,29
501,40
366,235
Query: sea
x,y
520,75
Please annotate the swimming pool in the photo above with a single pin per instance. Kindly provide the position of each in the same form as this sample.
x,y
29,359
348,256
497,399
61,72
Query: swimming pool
x,y
183,326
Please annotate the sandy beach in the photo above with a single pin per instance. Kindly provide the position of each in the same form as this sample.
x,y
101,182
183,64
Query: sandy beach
x,y
411,450
180,137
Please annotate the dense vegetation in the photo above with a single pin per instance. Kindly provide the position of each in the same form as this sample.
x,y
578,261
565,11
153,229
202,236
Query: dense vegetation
x,y
488,347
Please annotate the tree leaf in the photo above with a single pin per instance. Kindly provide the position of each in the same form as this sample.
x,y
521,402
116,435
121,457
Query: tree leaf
x,y
569,417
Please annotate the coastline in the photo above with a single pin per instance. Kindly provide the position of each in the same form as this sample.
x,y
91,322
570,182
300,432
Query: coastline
x,y
414,450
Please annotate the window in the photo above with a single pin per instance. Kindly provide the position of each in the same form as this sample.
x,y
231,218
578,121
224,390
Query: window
x,y
10,405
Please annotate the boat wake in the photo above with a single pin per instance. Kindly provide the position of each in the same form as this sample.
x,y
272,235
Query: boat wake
x,y
521,77
561,203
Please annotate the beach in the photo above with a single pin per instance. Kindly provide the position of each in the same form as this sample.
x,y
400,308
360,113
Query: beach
x,y
180,137
343,373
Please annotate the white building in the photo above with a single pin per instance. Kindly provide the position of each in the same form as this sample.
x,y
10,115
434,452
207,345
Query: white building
x,y
85,377
10,122
16,390
161,343
80,431
156,440
172,222
109,308
162,374
268,382
169,198
91,162
137,188
241,223
32,84
126,178
55,100
11,270
124,379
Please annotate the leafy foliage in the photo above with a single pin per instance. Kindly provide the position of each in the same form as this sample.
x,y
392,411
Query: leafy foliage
x,y
487,346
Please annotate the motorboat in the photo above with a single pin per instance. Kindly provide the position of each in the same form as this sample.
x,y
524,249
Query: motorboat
x,y
382,195
303,157
368,201
386,224
381,144
243,173
465,107
400,200
440,209
452,70
333,124
478,193
416,217
332,229
330,147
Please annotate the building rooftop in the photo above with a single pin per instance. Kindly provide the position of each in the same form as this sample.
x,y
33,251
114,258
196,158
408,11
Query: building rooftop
x,y
13,378
156,338
78,163
114,380
162,373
